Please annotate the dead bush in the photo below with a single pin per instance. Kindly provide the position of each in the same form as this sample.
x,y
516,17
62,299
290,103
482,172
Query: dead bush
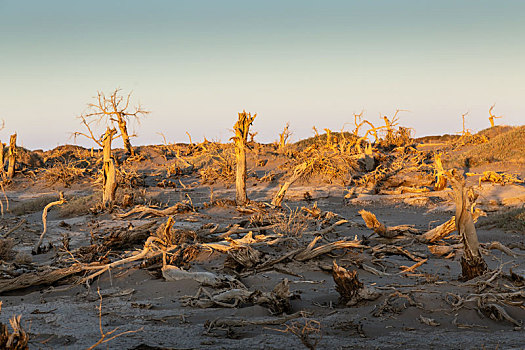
x,y
6,249
16,340
293,223
66,173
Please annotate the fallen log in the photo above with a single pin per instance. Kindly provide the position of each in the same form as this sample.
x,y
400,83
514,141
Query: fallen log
x,y
382,230
38,278
310,252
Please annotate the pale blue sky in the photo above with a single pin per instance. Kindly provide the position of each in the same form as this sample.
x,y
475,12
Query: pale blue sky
x,y
195,64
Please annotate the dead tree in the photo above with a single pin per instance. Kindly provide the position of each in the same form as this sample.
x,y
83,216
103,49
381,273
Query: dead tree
x,y
472,263
12,157
116,111
108,170
283,137
242,129
297,173
465,131
492,117
358,125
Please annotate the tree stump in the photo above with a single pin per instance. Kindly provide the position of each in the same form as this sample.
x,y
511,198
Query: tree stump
x,y
472,263
242,129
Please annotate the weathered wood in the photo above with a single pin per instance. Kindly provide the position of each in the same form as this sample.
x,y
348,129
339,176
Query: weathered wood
x,y
297,173
122,125
38,278
109,172
12,157
60,201
2,157
472,263
242,129
350,289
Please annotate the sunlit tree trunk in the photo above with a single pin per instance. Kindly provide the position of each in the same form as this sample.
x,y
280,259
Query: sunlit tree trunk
x,y
241,128
109,172
12,157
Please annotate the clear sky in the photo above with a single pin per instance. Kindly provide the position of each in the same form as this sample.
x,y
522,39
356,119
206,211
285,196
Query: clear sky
x,y
195,64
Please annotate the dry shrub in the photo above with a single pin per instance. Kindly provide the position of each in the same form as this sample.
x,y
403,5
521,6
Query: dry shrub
x,y
66,173
308,331
6,249
401,137
16,340
221,167
32,205
66,153
77,206
329,163
293,223
27,158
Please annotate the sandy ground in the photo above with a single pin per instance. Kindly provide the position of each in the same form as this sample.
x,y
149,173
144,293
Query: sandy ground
x,y
66,316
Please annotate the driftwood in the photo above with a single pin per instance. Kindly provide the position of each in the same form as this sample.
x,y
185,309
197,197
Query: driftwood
x,y
239,322
38,278
439,232
278,300
245,256
145,211
382,230
472,263
443,249
173,273
236,229
350,289
148,246
297,173
310,252
242,129
44,220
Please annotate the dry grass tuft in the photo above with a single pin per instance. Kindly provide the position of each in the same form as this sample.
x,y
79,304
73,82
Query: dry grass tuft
x,y
293,224
77,206
32,205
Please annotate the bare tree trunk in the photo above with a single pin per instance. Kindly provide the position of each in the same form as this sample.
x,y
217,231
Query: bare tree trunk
x,y
12,157
109,172
297,173
125,136
241,128
1,157
472,263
